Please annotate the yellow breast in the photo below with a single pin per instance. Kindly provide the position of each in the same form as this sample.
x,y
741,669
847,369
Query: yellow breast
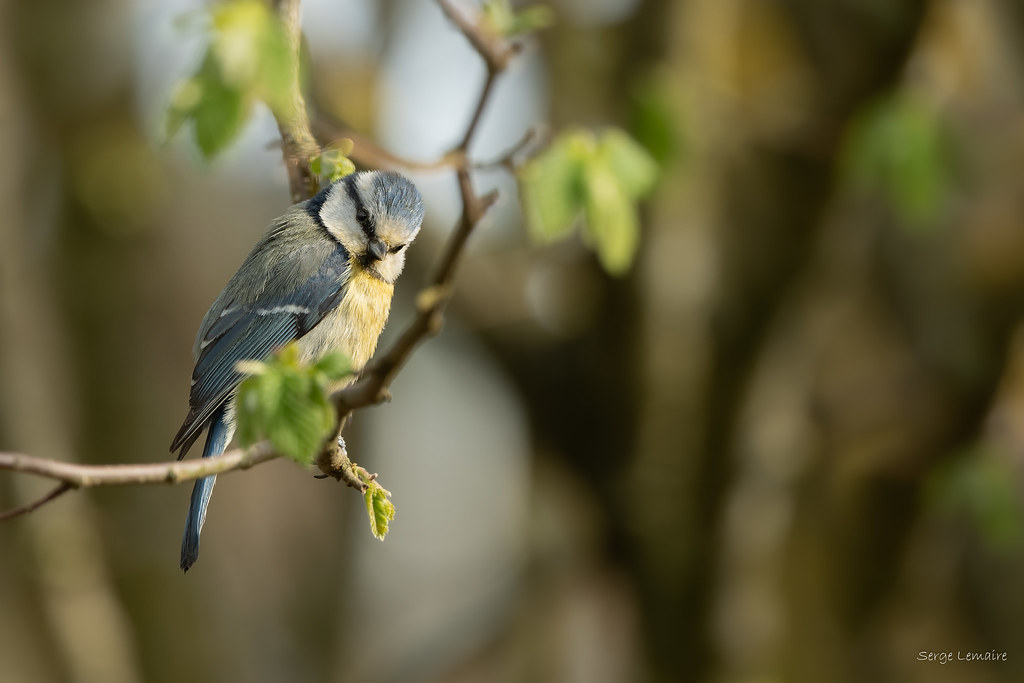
x,y
354,326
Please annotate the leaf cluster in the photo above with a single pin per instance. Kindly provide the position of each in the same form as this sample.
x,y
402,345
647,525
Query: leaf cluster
x,y
247,60
287,402
597,178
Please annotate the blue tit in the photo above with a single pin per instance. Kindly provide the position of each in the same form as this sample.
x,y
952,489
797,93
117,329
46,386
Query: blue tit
x,y
323,274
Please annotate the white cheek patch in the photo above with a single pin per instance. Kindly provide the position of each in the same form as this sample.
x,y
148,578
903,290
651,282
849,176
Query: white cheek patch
x,y
336,213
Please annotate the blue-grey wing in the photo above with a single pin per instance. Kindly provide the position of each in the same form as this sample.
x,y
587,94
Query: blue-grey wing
x,y
251,326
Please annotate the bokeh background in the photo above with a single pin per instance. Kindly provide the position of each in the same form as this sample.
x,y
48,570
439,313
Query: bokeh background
x,y
787,446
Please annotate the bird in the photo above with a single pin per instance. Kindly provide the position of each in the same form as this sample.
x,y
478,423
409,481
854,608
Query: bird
x,y
322,275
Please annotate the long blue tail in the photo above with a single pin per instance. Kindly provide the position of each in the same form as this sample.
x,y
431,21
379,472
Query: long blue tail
x,y
216,441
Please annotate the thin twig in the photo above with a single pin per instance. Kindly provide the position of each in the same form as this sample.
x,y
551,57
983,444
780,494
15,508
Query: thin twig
x,y
368,154
86,476
60,490
495,51
478,112
507,159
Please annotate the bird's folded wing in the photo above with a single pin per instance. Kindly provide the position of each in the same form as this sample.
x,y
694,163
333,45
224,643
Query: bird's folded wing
x,y
253,331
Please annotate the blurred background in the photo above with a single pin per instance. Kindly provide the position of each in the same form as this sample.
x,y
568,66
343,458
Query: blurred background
x,y
787,446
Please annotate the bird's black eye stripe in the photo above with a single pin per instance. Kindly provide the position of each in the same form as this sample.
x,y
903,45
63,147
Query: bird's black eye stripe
x,y
362,215
397,248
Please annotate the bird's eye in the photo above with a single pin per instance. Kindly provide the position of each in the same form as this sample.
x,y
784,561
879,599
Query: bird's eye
x,y
362,215
397,248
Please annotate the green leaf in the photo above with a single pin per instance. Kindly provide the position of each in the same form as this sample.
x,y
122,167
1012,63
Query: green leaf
x,y
379,508
500,18
900,149
334,365
612,223
269,391
551,185
333,163
248,60
287,403
601,178
532,19
635,170
250,46
183,102
220,113
237,30
657,121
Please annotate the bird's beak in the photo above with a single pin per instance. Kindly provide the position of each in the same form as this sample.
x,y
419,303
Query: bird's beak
x,y
378,249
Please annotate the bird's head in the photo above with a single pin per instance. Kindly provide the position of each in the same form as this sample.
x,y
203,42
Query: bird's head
x,y
375,215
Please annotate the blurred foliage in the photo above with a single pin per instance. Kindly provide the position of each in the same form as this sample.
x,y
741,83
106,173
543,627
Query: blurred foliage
x,y
899,148
286,402
247,60
597,177
979,486
655,120
500,18
333,163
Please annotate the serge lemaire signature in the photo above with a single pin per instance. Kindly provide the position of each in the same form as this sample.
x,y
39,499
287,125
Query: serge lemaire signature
x,y
961,656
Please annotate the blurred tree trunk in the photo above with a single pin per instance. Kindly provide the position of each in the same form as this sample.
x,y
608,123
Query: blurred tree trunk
x,y
829,361
771,88
61,556
904,381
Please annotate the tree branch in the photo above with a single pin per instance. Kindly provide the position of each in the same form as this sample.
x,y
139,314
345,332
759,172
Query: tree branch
x,y
298,146
81,476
